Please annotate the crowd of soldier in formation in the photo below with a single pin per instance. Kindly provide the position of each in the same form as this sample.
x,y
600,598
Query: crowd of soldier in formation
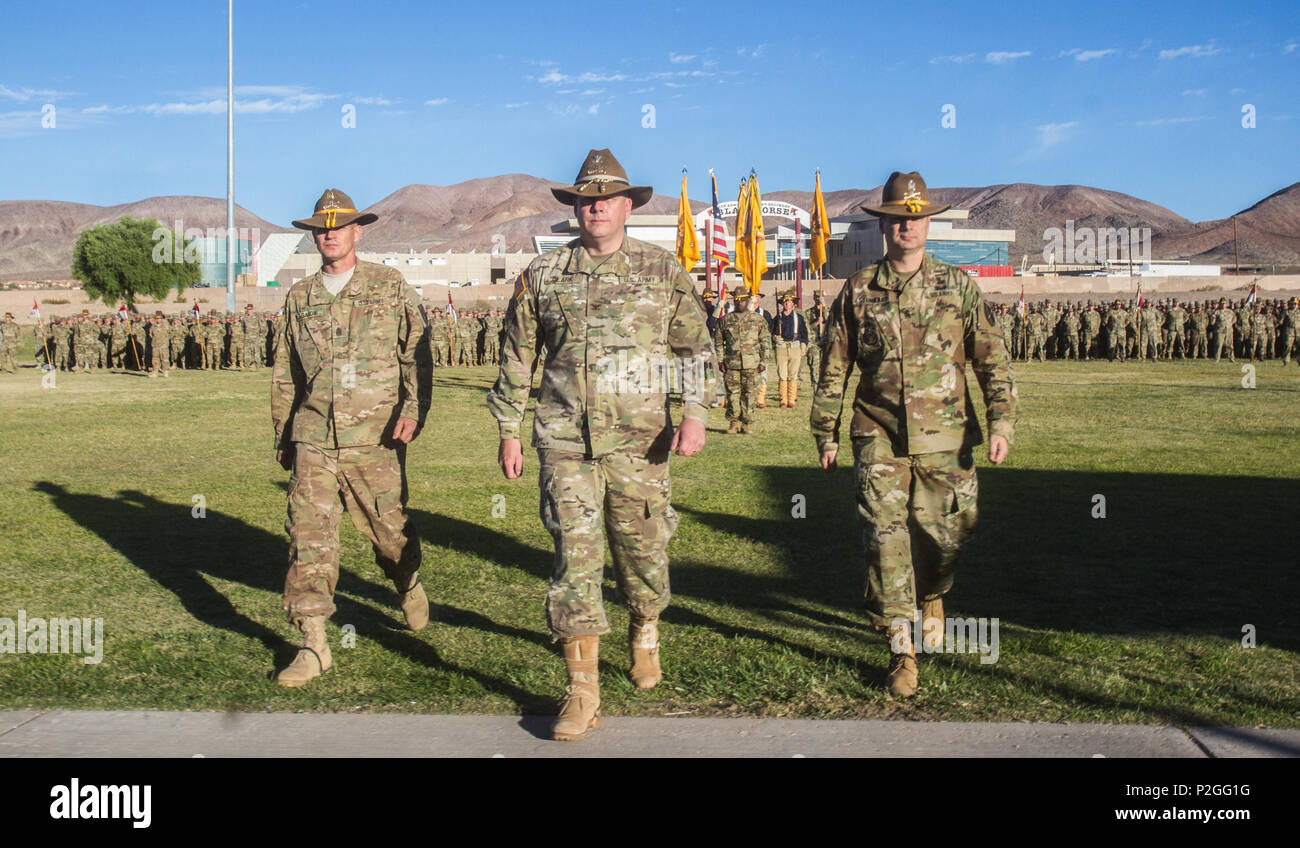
x,y
1162,329
471,338
159,343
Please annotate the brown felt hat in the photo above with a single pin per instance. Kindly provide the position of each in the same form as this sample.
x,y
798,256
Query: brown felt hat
x,y
740,292
335,209
905,196
602,176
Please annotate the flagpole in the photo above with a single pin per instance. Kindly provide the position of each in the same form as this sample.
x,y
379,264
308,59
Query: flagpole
x,y
230,155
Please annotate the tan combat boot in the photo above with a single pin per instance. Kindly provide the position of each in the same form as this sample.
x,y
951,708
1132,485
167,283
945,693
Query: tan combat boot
x,y
313,660
744,428
760,399
794,393
785,393
733,427
903,678
932,624
643,634
415,605
580,709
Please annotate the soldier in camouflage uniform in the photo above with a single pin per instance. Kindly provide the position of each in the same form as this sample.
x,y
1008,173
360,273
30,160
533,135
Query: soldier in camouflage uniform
x,y
1224,318
466,332
1091,329
1116,327
1290,330
159,340
1198,339
1175,327
178,337
604,309
1070,334
350,389
252,331
744,345
1260,321
1037,328
816,316
911,324
492,326
85,342
9,344
1151,322
439,339
66,336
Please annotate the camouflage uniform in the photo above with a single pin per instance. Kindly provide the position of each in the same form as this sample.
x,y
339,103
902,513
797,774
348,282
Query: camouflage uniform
x,y
603,450
913,425
1070,331
1091,329
253,331
1199,338
440,340
1037,324
1224,318
815,317
347,367
465,331
159,338
179,335
85,344
1116,324
744,342
1290,330
9,346
491,339
1175,324
1150,332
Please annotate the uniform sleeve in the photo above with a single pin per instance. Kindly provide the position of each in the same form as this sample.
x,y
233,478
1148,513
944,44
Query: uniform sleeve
x,y
415,368
986,351
287,377
839,352
689,340
519,353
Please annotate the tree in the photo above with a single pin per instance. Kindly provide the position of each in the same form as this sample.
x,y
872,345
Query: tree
x,y
131,258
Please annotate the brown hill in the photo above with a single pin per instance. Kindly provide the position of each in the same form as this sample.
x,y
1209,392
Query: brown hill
x,y
37,236
1268,233
468,215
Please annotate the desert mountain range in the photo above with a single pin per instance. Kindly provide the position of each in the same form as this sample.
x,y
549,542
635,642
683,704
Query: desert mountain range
x,y
37,236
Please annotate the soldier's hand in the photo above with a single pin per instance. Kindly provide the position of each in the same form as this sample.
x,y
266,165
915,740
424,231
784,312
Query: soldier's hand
x,y
997,449
404,430
510,456
285,458
828,460
689,438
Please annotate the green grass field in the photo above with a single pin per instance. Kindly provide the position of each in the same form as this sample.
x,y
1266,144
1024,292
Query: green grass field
x,y
1135,617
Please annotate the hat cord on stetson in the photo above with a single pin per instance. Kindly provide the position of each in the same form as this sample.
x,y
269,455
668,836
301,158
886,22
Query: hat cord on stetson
x,y
331,216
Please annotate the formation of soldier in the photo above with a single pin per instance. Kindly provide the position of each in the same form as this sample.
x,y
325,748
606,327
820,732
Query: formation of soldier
x,y
156,343
470,338
1162,329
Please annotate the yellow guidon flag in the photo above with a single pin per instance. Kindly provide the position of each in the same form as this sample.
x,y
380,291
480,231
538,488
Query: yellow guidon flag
x,y
688,247
742,247
755,241
821,229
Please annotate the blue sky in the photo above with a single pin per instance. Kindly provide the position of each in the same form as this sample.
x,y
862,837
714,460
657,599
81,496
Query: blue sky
x,y
1144,98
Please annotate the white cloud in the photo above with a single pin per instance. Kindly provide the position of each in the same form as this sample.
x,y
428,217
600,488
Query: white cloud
x,y
968,57
1050,135
674,85
1161,122
24,94
438,101
586,76
1081,55
591,92
1196,51
593,108
676,57
373,101
1193,92
15,124
1001,57
753,54
1291,47
516,105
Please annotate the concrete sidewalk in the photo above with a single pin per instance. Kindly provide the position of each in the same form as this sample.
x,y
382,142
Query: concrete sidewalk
x,y
67,733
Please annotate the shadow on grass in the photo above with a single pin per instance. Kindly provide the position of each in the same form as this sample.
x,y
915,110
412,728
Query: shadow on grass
x,y
176,550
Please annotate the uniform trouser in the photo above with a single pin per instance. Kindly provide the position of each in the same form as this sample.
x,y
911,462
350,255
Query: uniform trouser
x,y
1071,346
8,358
368,481
1288,341
1176,342
1149,346
1259,348
1087,344
211,355
814,363
1224,343
624,497
1115,346
916,512
1200,348
742,393
158,362
1036,347
490,352
442,354
789,359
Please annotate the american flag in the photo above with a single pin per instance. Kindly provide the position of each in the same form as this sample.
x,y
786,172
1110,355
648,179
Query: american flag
x,y
718,232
